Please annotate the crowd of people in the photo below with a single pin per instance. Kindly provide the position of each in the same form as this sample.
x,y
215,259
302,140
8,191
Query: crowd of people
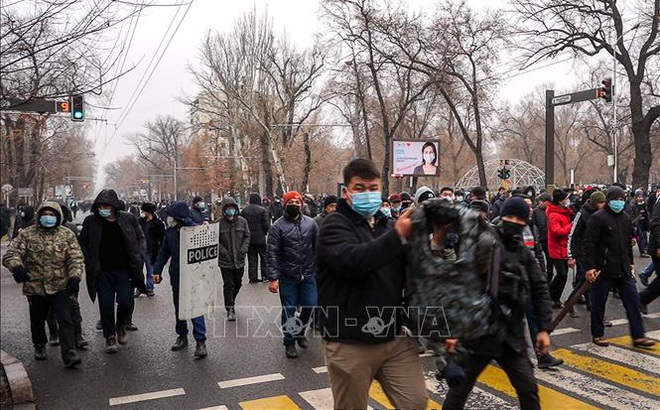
x,y
341,263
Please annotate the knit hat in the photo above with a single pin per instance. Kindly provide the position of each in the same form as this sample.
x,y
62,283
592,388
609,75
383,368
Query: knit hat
x,y
422,194
405,196
329,200
558,195
544,197
597,197
291,195
614,192
395,198
515,206
197,199
148,207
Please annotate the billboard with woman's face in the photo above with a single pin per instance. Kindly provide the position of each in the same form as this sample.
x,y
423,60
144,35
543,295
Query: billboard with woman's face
x,y
416,157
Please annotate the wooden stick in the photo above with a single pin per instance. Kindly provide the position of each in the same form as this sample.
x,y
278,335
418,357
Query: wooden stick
x,y
570,303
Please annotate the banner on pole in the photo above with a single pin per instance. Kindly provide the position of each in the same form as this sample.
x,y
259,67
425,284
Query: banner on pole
x,y
199,270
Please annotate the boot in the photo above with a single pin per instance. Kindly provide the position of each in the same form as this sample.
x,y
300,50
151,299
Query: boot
x,y
302,342
131,326
54,339
180,343
290,351
231,315
122,335
40,352
80,341
200,349
111,345
71,359
547,361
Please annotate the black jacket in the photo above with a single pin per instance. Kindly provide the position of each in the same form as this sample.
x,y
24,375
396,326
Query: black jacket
x,y
258,220
576,236
360,270
654,230
608,243
291,247
90,240
234,239
540,220
156,229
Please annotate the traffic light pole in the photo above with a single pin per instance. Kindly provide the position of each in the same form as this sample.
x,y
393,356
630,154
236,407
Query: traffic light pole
x,y
550,103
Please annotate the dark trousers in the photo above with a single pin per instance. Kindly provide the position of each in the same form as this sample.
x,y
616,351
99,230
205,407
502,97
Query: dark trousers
x,y
629,297
231,284
61,303
516,366
559,281
546,253
580,277
257,258
114,285
652,292
51,320
642,240
294,293
181,328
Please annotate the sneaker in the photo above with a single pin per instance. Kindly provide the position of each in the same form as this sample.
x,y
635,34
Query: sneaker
x,y
644,308
231,315
302,342
643,343
151,293
644,255
80,342
71,359
644,279
557,304
572,313
40,352
99,325
600,342
200,349
122,335
54,340
290,351
131,327
180,343
547,361
136,293
111,345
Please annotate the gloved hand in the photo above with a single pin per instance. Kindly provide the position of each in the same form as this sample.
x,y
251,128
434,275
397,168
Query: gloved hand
x,y
21,275
73,285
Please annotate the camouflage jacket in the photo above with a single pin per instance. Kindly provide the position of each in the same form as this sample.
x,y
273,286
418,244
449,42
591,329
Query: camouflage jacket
x,y
51,256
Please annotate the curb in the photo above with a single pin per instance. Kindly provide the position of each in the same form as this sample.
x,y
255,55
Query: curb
x,y
21,395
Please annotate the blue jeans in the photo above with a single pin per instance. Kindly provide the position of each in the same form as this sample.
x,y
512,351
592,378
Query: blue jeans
x,y
113,285
642,240
294,293
629,297
648,270
199,326
150,272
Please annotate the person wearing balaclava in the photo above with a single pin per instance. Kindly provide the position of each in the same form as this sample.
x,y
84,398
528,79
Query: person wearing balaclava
x,y
609,263
48,261
290,253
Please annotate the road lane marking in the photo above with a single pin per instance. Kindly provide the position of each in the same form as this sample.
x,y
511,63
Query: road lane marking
x,y
478,398
250,380
146,396
564,331
495,378
623,356
613,372
655,334
617,322
652,316
271,403
626,341
605,394
215,408
320,369
319,399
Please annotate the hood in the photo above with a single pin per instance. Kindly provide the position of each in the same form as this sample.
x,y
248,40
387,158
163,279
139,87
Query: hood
x,y
179,210
54,206
588,208
255,198
229,201
422,194
29,212
107,196
552,208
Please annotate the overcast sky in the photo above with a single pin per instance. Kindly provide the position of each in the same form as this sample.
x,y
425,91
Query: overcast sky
x,y
172,80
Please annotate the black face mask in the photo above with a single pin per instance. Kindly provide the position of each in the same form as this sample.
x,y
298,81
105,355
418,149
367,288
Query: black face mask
x,y
292,211
511,233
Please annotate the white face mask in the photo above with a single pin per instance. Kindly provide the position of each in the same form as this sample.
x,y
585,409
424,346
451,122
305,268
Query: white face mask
x,y
171,221
429,158
143,215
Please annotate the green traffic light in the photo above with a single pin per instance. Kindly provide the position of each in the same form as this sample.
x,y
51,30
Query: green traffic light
x,y
77,114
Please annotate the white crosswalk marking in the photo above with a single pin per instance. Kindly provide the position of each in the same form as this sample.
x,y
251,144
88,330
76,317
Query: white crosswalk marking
x,y
654,335
250,380
478,399
320,369
647,362
589,387
564,331
215,408
146,396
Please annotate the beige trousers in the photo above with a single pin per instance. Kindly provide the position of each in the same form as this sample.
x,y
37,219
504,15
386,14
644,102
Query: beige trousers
x,y
395,365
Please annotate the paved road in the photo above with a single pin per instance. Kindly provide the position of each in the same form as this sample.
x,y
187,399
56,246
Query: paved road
x,y
252,372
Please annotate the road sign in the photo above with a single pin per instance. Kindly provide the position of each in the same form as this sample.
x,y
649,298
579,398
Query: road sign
x,y
6,188
26,192
562,99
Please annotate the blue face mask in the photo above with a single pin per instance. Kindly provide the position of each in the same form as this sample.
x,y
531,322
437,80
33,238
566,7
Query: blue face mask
x,y
367,203
48,221
230,211
104,213
386,211
617,205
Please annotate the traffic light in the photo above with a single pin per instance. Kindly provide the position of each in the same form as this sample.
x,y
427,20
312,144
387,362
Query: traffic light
x,y
605,92
504,173
77,108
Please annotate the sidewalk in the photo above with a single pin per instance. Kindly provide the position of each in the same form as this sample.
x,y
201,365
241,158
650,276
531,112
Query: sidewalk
x,y
15,385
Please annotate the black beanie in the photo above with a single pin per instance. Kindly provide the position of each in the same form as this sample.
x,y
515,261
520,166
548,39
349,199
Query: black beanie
x,y
148,207
515,206
558,195
197,199
330,199
615,192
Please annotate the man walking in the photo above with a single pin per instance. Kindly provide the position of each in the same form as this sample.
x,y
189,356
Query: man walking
x,y
652,292
114,246
232,248
47,260
608,263
329,206
259,224
154,232
291,271
361,280
199,211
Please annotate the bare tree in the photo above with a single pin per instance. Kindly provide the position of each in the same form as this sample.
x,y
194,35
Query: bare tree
x,y
586,28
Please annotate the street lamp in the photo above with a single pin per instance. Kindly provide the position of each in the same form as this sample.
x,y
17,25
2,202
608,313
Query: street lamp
x,y
614,117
